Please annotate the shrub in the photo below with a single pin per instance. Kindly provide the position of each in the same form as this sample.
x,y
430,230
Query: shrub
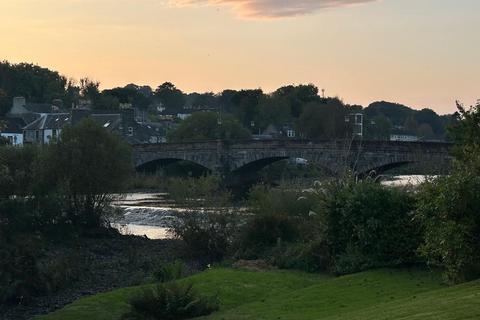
x,y
208,226
448,210
279,216
366,224
278,201
25,271
264,231
170,302
207,235
170,271
19,276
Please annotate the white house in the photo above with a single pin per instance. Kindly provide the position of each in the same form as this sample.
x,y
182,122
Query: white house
x,y
46,128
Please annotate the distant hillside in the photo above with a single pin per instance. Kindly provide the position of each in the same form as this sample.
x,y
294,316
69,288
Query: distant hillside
x,y
391,118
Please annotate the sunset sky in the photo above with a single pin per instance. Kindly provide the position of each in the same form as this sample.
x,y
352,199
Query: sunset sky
x,y
423,53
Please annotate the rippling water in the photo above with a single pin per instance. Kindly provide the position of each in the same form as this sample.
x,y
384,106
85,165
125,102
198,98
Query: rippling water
x,y
146,214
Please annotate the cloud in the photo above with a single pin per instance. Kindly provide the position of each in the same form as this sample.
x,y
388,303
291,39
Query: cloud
x,y
273,8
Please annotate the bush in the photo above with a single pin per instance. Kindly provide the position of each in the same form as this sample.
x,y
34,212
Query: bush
x,y
208,226
279,216
264,231
448,211
278,201
170,271
19,277
170,302
366,225
207,235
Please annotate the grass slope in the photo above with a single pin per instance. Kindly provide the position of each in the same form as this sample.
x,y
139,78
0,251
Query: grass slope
x,y
380,294
234,287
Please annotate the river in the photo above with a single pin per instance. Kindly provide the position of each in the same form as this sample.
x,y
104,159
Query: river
x,y
151,214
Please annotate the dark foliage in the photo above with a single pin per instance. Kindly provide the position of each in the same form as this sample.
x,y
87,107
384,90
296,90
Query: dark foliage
x,y
367,225
208,126
170,302
448,206
169,271
208,235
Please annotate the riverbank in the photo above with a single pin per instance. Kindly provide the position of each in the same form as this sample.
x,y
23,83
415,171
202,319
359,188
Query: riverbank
x,y
99,264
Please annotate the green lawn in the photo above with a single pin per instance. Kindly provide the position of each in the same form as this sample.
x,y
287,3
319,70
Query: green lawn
x,y
380,294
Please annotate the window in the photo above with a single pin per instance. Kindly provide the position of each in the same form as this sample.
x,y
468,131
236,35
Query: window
x,y
359,119
54,133
130,131
291,133
37,135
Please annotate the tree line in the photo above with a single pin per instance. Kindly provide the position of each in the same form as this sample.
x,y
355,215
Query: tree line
x,y
299,107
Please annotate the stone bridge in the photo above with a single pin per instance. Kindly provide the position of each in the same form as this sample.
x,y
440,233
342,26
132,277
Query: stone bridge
x,y
241,156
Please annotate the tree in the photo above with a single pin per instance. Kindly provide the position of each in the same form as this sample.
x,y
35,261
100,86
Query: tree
x,y
273,110
410,125
448,206
139,97
378,128
298,96
89,90
4,103
18,173
247,105
35,83
466,132
323,120
107,101
428,116
202,100
208,126
88,165
171,98
425,131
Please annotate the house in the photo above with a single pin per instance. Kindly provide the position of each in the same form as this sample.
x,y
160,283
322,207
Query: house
x,y
46,128
272,132
404,137
11,129
288,131
124,124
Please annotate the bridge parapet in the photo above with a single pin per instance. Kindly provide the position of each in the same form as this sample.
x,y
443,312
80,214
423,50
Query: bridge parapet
x,y
336,155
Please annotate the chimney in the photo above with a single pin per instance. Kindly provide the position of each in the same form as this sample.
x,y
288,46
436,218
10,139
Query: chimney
x,y
19,106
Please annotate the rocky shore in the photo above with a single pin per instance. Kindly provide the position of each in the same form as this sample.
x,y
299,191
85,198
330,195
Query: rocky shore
x,y
100,264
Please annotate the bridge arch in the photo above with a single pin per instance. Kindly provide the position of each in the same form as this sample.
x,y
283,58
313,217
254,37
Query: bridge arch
x,y
154,165
257,165
337,155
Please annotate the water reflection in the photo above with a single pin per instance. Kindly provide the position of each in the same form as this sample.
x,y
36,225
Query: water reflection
x,y
151,232
398,181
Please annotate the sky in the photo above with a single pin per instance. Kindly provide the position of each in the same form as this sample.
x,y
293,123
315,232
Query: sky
x,y
422,53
